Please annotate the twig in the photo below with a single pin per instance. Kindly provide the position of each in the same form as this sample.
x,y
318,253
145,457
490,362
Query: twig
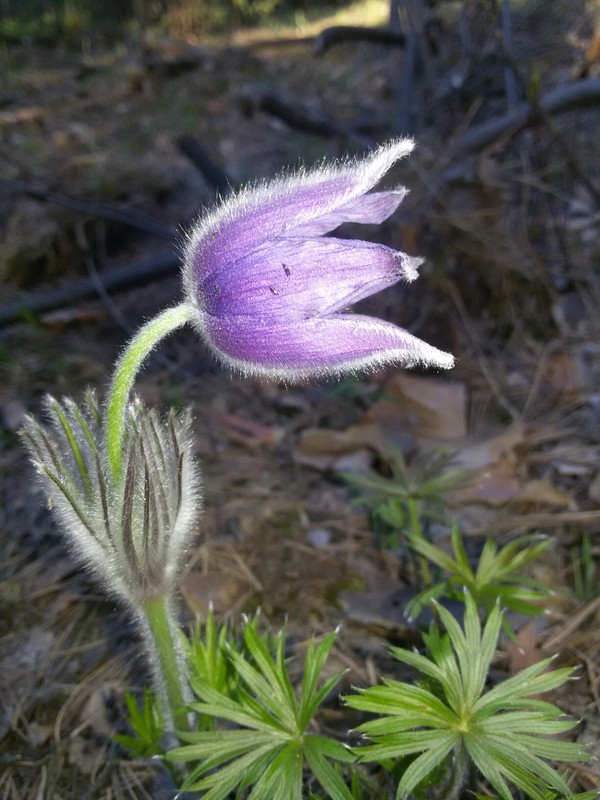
x,y
134,219
544,116
113,280
407,76
214,175
94,276
574,622
546,519
510,79
118,278
351,33
395,23
297,116
268,44
574,95
483,363
570,157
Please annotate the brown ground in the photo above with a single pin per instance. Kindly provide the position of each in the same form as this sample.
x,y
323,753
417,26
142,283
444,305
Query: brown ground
x,y
510,286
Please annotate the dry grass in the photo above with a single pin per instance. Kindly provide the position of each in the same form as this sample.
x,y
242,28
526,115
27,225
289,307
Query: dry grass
x,y
511,285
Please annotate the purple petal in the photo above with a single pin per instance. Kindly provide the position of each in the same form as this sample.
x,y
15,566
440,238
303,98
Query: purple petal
x,y
289,279
370,209
263,212
324,346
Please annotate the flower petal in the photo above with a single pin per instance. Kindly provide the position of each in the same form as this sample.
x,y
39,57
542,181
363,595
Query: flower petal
x,y
369,209
266,211
323,346
289,279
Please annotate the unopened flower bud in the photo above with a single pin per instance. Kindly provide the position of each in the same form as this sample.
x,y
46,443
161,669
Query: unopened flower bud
x,y
132,534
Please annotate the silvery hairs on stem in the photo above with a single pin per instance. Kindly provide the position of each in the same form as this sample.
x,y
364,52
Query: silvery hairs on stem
x,y
133,533
266,289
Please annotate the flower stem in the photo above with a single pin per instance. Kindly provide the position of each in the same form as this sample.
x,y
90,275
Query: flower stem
x,y
124,375
416,526
460,771
166,660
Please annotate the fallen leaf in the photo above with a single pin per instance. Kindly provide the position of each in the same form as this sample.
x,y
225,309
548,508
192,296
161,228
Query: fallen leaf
x,y
493,487
594,490
96,714
200,591
477,455
560,376
542,493
248,431
322,448
526,651
432,409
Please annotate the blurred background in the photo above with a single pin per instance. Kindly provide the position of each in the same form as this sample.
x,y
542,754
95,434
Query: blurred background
x,y
120,120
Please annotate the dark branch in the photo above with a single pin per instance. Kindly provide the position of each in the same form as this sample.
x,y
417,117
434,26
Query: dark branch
x,y
113,280
574,95
129,217
338,34
296,115
214,175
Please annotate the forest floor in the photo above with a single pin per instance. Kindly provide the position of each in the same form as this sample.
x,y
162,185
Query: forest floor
x,y
510,286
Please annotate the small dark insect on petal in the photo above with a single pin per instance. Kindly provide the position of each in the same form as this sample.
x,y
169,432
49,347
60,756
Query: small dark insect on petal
x,y
273,290
287,270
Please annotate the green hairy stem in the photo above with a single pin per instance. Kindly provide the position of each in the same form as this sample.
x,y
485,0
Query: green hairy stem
x,y
166,651
125,373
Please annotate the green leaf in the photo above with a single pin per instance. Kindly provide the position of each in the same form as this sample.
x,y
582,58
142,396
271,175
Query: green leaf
x,y
397,745
402,704
265,757
519,763
282,777
215,747
525,722
504,732
487,765
514,690
224,781
147,725
422,766
315,748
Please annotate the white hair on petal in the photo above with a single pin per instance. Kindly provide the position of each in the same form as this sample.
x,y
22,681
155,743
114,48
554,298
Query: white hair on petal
x,y
368,171
423,355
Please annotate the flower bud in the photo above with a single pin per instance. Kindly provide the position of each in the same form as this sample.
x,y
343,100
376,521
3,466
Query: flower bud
x,y
132,534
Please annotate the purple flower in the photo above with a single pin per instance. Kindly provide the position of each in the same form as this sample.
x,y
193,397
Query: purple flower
x,y
268,286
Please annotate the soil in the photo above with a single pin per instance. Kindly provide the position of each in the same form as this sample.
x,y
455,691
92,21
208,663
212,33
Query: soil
x,y
510,286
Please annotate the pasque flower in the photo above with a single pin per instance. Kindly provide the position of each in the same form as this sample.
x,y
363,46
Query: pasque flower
x,y
269,288
131,533
129,526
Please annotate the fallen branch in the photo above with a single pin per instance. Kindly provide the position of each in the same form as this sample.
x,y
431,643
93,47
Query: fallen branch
x,y
548,519
116,279
125,216
297,116
574,95
211,172
337,34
